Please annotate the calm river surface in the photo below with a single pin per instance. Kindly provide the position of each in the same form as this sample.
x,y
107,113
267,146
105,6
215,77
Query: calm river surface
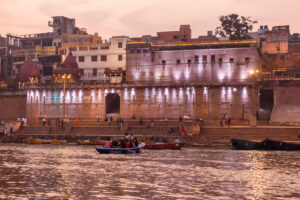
x,y
79,172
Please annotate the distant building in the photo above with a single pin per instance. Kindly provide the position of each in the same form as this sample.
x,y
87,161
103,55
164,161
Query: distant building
x,y
74,41
104,62
280,50
64,26
276,40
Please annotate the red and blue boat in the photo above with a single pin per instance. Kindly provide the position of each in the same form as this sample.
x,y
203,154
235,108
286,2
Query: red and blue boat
x,y
160,145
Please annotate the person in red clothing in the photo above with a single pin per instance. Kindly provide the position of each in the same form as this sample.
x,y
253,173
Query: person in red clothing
x,y
127,144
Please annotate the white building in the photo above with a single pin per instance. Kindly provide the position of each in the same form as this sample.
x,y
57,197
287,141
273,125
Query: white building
x,y
105,62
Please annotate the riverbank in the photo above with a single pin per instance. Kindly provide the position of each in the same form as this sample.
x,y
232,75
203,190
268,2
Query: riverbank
x,y
206,136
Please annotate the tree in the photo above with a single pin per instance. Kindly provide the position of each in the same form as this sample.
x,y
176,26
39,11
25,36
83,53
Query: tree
x,y
235,27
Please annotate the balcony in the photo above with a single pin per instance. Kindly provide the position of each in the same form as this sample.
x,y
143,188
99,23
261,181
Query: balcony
x,y
50,23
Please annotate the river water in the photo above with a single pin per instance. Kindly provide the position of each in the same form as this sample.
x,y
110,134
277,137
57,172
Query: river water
x,y
79,172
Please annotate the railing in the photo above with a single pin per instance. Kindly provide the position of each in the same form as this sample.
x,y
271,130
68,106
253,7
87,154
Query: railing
x,y
272,77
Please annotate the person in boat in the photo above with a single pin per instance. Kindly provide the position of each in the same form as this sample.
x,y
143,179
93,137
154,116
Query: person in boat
x,y
108,143
127,136
122,145
131,137
131,144
114,144
136,142
127,144
177,140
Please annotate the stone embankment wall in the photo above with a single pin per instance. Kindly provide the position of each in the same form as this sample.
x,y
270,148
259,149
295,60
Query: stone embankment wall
x,y
12,105
146,102
286,106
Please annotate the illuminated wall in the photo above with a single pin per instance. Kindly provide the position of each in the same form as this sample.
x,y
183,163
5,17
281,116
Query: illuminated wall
x,y
217,65
162,102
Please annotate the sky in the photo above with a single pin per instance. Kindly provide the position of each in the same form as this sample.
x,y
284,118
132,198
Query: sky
x,y
135,18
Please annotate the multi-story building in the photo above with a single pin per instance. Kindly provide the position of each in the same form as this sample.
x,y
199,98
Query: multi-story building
x,y
64,26
74,41
191,62
102,62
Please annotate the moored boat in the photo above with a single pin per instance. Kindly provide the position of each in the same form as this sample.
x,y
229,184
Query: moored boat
x,y
98,142
106,150
244,144
160,145
39,141
267,145
59,142
84,142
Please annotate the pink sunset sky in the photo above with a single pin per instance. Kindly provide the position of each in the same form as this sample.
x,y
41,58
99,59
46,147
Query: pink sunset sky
x,y
139,17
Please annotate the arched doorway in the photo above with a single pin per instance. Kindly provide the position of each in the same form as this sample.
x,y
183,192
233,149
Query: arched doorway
x,y
112,103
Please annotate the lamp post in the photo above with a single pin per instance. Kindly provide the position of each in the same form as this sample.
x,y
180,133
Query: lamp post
x,y
253,74
64,77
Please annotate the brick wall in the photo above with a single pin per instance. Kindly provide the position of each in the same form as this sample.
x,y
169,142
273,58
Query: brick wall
x,y
12,106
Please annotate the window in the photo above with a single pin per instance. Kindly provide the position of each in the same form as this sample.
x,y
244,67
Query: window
x,y
132,51
175,37
163,62
144,50
94,58
189,62
94,71
120,57
212,58
247,59
204,58
196,58
120,44
81,58
177,62
231,60
81,72
104,58
138,51
220,60
83,48
93,48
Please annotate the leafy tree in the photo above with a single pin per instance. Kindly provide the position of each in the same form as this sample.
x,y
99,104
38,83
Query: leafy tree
x,y
235,27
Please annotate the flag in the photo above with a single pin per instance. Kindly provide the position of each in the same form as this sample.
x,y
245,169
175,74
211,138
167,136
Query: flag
x,y
183,131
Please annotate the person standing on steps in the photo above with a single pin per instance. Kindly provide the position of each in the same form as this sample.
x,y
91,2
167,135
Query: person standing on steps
x,y
229,122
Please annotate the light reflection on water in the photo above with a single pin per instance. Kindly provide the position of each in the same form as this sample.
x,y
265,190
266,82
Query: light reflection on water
x,y
79,172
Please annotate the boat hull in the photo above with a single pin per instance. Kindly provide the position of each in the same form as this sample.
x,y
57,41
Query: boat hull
x,y
39,141
267,145
59,142
172,146
104,150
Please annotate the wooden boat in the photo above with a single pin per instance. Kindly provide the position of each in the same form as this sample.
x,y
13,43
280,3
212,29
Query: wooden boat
x,y
98,142
84,142
267,145
160,145
39,141
105,150
244,145
58,142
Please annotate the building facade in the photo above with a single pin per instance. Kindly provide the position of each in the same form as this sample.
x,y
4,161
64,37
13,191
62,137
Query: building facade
x,y
103,62
192,63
